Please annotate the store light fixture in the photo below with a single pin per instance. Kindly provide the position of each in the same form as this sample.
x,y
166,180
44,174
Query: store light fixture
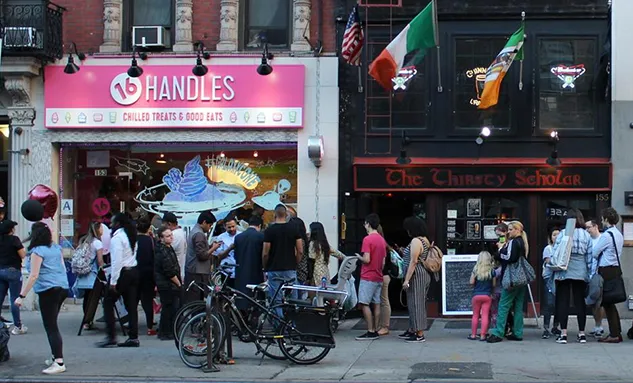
x,y
264,69
255,154
135,70
485,133
71,67
404,159
553,159
161,161
200,69
222,154
162,155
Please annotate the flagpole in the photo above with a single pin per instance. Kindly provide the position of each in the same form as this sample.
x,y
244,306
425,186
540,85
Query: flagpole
x,y
521,62
437,46
360,78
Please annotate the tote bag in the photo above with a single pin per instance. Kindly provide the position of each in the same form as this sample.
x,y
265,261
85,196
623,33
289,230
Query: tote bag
x,y
518,274
562,253
613,290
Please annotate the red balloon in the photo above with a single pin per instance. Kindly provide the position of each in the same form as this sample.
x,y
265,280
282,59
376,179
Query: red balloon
x,y
47,197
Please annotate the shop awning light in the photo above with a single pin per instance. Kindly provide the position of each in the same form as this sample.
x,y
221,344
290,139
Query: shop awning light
x,y
485,133
222,154
553,159
135,70
264,68
255,154
161,161
403,159
71,67
200,69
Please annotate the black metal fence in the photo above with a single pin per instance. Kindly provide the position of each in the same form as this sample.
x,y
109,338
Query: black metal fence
x,y
32,28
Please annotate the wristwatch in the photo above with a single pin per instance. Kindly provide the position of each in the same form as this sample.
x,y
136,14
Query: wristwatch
x,y
21,296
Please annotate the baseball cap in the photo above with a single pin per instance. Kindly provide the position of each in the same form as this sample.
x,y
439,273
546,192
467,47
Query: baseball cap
x,y
170,218
6,226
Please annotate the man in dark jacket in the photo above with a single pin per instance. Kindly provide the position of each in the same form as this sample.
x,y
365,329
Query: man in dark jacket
x,y
198,263
167,276
248,255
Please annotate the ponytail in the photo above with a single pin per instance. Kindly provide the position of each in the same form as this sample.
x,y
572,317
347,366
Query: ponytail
x,y
519,225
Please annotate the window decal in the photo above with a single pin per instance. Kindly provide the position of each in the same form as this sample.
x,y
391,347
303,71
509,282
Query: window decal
x,y
568,74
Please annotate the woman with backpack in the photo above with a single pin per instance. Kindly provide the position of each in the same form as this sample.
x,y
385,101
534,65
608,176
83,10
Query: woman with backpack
x,y
417,279
49,281
88,256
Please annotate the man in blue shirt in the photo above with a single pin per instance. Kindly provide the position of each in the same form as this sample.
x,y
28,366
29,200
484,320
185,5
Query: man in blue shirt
x,y
607,251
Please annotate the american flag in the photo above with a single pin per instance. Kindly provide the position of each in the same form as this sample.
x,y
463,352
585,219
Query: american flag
x,y
353,39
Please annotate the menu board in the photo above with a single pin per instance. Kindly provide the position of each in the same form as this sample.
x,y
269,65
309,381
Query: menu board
x,y
457,292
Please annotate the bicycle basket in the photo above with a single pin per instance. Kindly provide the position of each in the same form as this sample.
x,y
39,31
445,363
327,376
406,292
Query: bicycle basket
x,y
313,324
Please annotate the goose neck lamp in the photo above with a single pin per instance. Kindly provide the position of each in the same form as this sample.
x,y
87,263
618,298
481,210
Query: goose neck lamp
x,y
553,159
200,69
264,69
135,70
71,67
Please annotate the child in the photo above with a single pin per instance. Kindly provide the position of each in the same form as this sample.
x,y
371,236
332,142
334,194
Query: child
x,y
482,279
550,293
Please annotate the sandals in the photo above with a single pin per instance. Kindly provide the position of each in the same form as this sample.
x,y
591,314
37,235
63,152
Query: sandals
x,y
383,331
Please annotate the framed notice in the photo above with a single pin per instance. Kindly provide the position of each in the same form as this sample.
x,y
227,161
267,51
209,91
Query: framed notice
x,y
627,230
473,230
489,232
457,293
473,208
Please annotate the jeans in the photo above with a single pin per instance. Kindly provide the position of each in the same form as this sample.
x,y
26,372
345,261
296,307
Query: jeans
x,y
276,279
51,301
549,309
11,281
127,287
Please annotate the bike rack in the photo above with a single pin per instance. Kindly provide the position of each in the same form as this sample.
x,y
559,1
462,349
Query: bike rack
x,y
210,367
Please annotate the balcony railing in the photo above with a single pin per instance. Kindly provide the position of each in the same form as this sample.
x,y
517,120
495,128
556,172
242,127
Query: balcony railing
x,y
32,28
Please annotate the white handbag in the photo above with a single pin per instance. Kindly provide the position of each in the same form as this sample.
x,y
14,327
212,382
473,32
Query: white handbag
x,y
562,248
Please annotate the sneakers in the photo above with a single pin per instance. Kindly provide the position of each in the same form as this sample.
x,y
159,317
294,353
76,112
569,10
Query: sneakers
x,y
546,334
582,339
130,343
19,330
368,336
598,332
414,338
54,368
556,331
562,339
405,335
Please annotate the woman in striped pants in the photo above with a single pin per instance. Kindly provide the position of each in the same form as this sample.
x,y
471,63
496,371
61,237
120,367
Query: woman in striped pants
x,y
417,280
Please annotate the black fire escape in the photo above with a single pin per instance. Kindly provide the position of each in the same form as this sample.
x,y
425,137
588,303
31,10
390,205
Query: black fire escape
x,y
32,28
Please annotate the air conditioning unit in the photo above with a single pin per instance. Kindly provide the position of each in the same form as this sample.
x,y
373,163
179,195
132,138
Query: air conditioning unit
x,y
151,37
20,37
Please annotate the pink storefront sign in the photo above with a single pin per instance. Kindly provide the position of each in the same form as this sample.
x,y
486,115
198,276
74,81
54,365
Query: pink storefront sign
x,y
169,96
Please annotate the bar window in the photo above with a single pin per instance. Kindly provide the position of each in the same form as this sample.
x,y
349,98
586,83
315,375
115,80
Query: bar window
x,y
472,58
270,20
405,105
566,70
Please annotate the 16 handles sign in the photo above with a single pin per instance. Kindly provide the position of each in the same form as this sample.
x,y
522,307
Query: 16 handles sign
x,y
228,96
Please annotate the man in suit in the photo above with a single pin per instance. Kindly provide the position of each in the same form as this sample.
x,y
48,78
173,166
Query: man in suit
x,y
248,256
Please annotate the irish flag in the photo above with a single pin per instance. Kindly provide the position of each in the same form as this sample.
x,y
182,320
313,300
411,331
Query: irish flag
x,y
417,37
499,67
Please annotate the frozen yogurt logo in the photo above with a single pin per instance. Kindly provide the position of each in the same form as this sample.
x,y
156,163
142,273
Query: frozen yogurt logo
x,y
125,90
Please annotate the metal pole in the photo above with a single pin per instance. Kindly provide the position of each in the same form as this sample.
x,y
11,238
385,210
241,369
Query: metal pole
x,y
210,367
533,305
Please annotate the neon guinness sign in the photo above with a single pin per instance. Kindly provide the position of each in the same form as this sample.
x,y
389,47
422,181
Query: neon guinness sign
x,y
479,76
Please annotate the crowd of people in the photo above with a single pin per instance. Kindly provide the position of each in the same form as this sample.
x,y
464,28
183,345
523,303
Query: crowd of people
x,y
134,260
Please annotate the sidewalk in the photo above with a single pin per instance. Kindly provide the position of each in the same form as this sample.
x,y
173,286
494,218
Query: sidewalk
x,y
446,356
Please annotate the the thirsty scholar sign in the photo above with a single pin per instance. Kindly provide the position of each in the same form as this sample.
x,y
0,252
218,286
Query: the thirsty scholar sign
x,y
169,96
482,177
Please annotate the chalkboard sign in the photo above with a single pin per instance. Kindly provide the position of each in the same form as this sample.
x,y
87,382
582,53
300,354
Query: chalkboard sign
x,y
457,293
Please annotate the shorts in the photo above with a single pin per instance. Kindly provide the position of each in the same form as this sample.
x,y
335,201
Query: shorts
x,y
369,292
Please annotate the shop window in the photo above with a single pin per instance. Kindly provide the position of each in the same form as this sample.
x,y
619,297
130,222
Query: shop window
x,y
152,13
470,223
270,19
150,180
566,70
397,108
472,58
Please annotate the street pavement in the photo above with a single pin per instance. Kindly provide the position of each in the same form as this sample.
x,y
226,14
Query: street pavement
x,y
446,356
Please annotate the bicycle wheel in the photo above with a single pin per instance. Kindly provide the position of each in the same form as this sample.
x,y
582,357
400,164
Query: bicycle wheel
x,y
268,347
193,340
183,315
293,346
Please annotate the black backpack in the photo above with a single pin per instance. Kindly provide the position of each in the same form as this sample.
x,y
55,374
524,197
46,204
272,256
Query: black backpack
x,y
5,335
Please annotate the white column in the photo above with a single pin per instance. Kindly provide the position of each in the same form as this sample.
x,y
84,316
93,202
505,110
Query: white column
x,y
184,12
327,187
229,12
300,26
112,26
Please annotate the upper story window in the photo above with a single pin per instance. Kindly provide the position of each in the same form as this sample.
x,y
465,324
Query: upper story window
x,y
472,58
566,71
269,19
150,13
